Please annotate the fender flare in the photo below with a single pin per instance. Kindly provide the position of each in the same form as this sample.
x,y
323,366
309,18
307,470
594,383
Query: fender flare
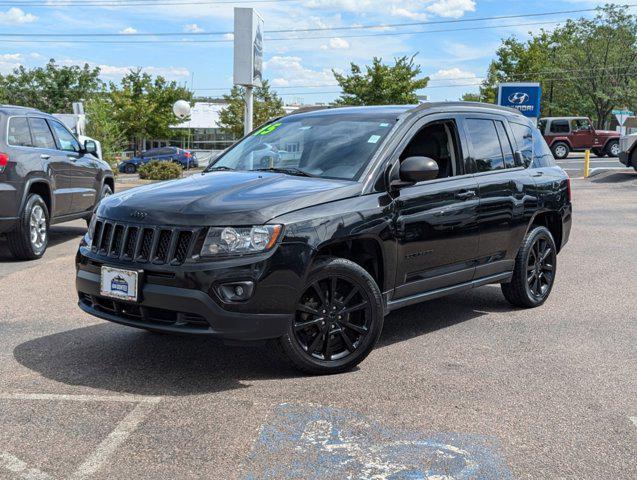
x,y
27,187
561,139
608,140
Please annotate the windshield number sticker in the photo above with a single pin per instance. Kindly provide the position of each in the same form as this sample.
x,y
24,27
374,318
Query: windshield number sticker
x,y
268,129
373,139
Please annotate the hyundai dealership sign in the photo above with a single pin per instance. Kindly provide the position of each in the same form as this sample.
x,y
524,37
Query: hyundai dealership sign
x,y
524,97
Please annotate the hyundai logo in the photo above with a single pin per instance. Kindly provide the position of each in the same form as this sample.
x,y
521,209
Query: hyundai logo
x,y
138,215
519,98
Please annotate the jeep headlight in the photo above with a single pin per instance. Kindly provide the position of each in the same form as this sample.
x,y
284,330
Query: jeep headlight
x,y
221,241
88,238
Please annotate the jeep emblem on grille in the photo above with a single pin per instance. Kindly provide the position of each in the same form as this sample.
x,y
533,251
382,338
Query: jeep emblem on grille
x,y
138,215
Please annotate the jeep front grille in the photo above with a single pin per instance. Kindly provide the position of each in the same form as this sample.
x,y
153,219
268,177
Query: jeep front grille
x,y
137,244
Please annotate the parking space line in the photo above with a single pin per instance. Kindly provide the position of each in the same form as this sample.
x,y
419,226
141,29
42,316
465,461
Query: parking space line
x,y
103,451
17,466
110,444
79,398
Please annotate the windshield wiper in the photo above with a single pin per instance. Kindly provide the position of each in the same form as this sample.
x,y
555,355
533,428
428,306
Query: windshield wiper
x,y
220,168
289,171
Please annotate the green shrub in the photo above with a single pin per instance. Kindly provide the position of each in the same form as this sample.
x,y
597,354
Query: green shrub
x,y
160,171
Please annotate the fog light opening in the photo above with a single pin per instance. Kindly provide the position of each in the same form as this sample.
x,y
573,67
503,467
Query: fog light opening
x,y
236,291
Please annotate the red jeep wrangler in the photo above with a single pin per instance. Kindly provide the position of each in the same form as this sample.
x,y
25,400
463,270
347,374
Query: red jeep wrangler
x,y
567,134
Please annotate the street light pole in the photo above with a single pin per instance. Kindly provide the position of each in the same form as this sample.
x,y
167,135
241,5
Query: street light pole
x,y
552,46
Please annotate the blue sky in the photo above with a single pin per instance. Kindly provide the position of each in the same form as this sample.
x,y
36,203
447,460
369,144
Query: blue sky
x,y
455,61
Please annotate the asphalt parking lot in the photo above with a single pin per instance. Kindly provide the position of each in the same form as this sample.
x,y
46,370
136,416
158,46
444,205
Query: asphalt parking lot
x,y
464,387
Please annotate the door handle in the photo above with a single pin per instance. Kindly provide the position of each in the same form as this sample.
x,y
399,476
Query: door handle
x,y
44,156
466,195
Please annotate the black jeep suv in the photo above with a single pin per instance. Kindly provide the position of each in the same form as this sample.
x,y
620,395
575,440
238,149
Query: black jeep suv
x,y
46,177
315,226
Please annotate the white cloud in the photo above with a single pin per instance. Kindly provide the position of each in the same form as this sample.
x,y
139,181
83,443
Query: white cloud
x,y
286,71
128,30
403,12
193,28
114,72
454,76
452,8
10,61
16,16
336,44
228,36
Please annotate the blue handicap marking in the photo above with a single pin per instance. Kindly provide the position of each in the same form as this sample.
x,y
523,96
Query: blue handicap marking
x,y
315,442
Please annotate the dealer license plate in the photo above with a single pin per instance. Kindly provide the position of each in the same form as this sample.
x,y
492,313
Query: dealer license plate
x,y
120,284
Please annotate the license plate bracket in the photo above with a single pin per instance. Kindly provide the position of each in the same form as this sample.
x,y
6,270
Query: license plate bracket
x,y
119,283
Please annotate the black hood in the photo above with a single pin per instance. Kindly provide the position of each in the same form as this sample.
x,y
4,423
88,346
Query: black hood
x,y
223,198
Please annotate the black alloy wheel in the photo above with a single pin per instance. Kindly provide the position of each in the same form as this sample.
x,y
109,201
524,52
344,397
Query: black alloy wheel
x,y
338,318
540,268
535,268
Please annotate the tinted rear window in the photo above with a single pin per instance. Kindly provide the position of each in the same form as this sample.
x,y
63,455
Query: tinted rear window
x,y
524,139
559,126
542,156
19,134
486,145
42,136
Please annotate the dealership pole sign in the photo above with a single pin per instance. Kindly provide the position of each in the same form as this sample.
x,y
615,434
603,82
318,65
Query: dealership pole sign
x,y
248,55
524,97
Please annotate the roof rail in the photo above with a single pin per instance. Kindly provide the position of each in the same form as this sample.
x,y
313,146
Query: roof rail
x,y
486,106
310,109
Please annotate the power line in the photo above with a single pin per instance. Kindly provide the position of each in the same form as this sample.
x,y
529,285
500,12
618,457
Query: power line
x,y
308,30
277,39
133,3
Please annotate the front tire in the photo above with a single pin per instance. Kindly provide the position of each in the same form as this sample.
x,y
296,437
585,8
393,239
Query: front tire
x,y
612,148
338,318
28,241
130,168
560,150
534,272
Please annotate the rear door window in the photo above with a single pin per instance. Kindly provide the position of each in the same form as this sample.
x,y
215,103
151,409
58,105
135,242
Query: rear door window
x,y
505,144
487,152
19,133
524,138
560,126
41,133
542,156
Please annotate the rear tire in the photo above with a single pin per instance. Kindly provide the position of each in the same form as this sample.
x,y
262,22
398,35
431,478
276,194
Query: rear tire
x,y
28,241
534,272
338,319
560,150
130,168
612,148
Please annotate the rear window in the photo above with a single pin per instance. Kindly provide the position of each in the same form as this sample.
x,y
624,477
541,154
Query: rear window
x,y
542,156
42,136
524,138
487,151
559,126
19,133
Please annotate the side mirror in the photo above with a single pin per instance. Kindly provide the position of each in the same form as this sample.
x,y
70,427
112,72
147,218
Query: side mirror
x,y
90,146
416,169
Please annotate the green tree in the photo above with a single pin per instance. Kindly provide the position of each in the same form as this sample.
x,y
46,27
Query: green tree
x,y
381,84
142,106
585,67
471,97
267,105
52,88
100,126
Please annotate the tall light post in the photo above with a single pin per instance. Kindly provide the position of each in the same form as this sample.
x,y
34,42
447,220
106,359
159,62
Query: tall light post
x,y
248,57
553,46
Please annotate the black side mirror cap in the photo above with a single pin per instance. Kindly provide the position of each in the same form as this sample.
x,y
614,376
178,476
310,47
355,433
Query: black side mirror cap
x,y
415,169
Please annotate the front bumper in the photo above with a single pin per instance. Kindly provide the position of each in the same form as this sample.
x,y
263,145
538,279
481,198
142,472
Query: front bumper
x,y
177,310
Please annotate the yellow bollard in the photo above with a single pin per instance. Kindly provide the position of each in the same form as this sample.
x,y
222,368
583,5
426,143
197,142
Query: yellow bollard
x,y
587,163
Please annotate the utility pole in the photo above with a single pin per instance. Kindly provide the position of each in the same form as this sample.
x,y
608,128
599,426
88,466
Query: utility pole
x,y
249,100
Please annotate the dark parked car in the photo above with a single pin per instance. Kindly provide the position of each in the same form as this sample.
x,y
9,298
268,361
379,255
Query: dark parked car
x,y
165,154
569,134
46,177
628,150
314,227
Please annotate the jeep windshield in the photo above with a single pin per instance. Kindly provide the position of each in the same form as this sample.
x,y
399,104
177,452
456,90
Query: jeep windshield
x,y
330,145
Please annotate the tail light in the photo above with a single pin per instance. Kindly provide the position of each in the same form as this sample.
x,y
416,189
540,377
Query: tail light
x,y
4,161
187,154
